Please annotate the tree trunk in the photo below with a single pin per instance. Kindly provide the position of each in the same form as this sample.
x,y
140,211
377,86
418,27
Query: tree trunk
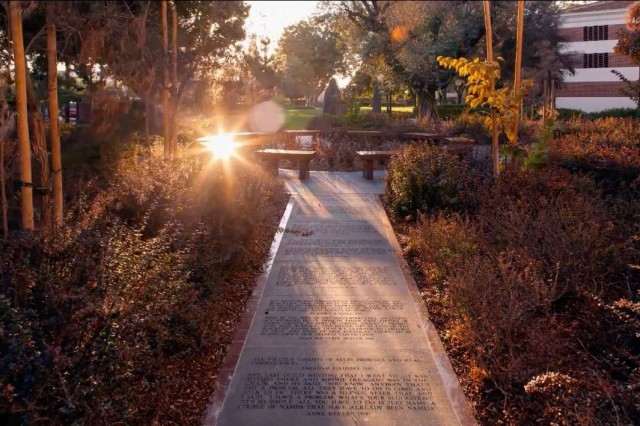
x,y
427,106
518,71
3,193
389,103
22,118
174,80
56,158
166,127
376,100
147,113
495,154
38,136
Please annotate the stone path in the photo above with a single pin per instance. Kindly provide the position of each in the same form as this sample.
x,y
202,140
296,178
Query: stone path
x,y
337,333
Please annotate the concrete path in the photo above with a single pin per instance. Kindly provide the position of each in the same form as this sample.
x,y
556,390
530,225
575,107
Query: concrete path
x,y
337,333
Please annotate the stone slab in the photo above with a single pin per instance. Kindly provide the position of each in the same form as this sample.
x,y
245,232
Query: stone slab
x,y
337,277
347,386
340,335
304,321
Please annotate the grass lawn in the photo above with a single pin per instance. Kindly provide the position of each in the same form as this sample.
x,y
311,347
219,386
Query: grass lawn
x,y
393,109
297,119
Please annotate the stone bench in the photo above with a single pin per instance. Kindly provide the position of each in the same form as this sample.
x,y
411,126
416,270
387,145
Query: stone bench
x,y
368,157
460,146
429,137
272,157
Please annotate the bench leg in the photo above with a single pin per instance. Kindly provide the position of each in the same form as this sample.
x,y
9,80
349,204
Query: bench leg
x,y
271,164
367,171
303,167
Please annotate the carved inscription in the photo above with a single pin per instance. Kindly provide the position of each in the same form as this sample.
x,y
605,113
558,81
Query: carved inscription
x,y
336,276
332,243
325,392
335,251
334,210
339,228
333,327
333,306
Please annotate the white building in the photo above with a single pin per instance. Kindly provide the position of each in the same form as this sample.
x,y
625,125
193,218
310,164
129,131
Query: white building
x,y
591,32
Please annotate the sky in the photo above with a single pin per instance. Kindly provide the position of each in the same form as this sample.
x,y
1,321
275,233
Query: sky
x,y
268,18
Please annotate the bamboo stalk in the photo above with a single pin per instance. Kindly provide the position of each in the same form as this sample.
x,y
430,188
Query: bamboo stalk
x,y
174,78
22,118
56,158
495,155
518,71
166,131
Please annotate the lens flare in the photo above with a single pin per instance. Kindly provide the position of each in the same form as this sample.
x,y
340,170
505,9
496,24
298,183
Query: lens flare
x,y
222,146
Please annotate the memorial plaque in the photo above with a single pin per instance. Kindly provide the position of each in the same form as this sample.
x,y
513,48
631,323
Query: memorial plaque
x,y
295,321
331,228
336,338
334,275
337,277
333,242
377,385
337,306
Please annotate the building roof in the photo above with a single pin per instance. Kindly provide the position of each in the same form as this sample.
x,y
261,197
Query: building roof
x,y
599,5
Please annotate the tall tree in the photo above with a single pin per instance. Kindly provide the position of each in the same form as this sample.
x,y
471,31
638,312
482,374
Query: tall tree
x,y
629,45
309,56
56,158
22,119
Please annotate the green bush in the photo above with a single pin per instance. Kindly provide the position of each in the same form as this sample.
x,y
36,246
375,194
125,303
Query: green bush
x,y
567,113
449,111
424,178
615,113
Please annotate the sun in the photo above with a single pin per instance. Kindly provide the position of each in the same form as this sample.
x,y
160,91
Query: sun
x,y
222,146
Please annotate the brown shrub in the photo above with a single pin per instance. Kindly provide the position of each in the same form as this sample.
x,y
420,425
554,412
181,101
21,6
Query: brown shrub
x,y
559,220
504,304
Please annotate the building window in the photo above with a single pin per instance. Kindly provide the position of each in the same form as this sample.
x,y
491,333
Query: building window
x,y
595,60
598,32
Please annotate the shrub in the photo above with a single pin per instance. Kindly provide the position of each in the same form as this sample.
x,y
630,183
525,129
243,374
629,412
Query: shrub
x,y
558,219
439,244
607,148
96,318
535,296
424,178
469,124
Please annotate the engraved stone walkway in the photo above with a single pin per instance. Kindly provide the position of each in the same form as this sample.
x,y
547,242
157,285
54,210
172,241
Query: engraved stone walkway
x,y
337,333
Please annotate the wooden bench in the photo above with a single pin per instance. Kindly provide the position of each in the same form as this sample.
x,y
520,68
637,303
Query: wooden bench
x,y
272,157
368,157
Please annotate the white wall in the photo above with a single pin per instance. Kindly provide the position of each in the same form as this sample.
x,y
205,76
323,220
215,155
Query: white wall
x,y
594,104
597,46
588,19
586,75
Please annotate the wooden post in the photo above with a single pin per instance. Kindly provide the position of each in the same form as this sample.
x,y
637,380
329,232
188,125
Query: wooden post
x,y
174,79
22,118
495,155
56,158
518,73
166,131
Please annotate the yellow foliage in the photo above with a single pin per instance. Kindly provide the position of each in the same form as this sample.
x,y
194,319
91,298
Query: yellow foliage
x,y
480,76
